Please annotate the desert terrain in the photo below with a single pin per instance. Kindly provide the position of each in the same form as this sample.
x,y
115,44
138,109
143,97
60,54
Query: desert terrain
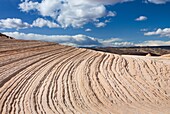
x,y
47,78
137,50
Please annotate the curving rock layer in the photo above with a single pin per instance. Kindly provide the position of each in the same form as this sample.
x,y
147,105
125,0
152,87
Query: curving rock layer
x,y
47,78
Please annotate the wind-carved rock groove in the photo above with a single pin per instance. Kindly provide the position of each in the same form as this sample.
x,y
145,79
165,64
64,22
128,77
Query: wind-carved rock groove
x,y
47,78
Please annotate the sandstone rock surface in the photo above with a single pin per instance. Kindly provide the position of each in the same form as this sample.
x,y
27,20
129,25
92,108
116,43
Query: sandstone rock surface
x,y
47,78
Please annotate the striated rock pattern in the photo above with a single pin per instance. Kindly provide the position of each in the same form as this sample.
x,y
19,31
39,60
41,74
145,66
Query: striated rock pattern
x,y
47,78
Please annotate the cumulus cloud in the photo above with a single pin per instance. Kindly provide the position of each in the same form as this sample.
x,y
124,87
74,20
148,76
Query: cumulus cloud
x,y
11,23
141,18
162,32
100,24
115,42
76,40
40,22
75,13
85,41
15,23
88,30
111,14
158,1
28,5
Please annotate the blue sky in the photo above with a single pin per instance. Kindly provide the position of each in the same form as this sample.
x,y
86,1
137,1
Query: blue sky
x,y
88,22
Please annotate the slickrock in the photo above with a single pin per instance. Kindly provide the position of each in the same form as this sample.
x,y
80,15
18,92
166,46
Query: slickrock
x,y
166,55
47,78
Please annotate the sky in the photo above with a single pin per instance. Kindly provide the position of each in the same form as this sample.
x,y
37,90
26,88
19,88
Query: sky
x,y
88,23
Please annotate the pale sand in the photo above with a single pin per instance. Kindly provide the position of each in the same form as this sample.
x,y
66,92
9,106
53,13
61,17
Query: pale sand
x,y
46,78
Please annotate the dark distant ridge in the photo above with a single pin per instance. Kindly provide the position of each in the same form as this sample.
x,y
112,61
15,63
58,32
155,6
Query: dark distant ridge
x,y
163,47
137,50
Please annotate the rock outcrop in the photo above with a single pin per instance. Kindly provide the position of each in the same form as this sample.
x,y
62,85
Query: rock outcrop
x,y
47,78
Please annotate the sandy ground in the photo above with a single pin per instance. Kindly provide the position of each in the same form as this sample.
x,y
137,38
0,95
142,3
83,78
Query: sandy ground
x,y
47,78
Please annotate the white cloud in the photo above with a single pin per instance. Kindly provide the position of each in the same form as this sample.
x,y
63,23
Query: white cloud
x,y
111,14
123,44
115,42
11,23
40,22
76,40
162,32
77,16
154,43
100,24
107,21
28,5
75,13
88,30
110,40
15,23
85,41
141,18
159,1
